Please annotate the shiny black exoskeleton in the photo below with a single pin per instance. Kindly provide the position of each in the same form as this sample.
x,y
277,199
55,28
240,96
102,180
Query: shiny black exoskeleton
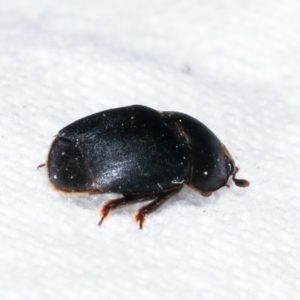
x,y
140,153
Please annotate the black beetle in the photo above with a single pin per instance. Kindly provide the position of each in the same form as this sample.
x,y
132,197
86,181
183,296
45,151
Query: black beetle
x,y
140,153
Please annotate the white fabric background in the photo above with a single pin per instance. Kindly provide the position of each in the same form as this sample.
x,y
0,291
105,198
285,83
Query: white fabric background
x,y
234,65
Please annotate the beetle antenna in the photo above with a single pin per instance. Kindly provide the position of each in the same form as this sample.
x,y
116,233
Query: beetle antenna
x,y
239,182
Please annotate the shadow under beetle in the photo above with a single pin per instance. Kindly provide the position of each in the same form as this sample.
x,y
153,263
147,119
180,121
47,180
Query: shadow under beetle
x,y
140,153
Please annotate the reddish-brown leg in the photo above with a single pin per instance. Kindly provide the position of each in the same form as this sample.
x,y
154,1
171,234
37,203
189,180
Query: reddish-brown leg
x,y
151,207
40,166
239,182
121,202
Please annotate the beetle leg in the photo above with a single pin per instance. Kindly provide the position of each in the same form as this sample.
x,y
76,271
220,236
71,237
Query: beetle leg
x,y
124,201
239,182
155,204
40,166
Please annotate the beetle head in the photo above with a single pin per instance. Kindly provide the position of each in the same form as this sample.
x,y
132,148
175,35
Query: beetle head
x,y
211,169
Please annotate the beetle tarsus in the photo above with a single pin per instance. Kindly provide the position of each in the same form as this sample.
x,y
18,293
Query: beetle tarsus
x,y
140,218
40,166
121,202
239,182
154,205
105,211
151,207
102,219
158,200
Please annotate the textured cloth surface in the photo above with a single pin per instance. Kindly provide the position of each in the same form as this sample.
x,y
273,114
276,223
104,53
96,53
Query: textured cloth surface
x,y
233,65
